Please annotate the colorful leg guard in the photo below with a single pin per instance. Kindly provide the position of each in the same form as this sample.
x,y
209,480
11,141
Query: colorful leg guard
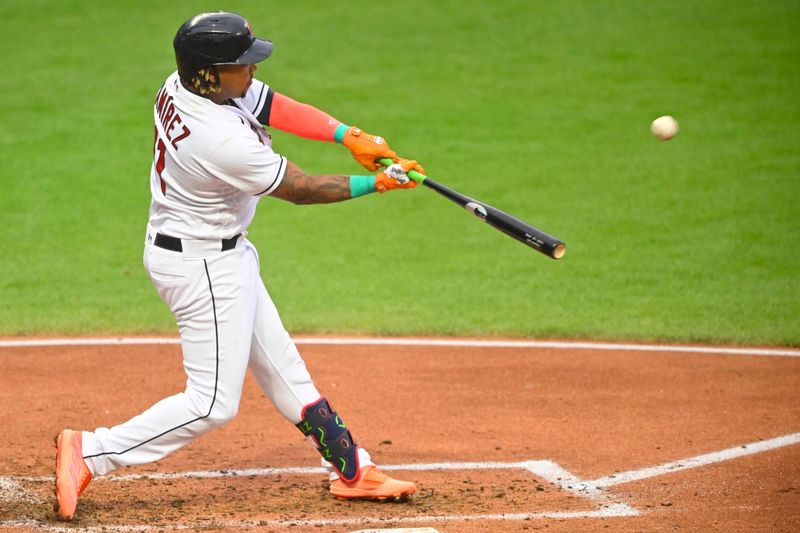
x,y
332,437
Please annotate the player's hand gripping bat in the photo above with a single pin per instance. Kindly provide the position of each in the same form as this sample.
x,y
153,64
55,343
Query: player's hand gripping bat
x,y
499,220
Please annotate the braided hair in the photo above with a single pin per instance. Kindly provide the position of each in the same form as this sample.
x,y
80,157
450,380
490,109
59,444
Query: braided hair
x,y
204,81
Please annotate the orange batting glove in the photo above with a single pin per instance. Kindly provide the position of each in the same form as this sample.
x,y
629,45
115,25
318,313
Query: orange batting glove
x,y
418,168
395,176
367,148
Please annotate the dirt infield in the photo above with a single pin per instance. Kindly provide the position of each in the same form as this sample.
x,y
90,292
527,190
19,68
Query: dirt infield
x,y
496,438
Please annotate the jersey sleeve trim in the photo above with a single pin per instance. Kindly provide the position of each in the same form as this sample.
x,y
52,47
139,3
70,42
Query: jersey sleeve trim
x,y
278,179
264,112
259,101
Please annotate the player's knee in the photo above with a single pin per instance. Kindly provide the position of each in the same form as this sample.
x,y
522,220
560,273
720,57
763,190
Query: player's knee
x,y
222,413
215,408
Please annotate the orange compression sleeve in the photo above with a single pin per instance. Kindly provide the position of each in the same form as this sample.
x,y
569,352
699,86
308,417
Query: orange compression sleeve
x,y
301,119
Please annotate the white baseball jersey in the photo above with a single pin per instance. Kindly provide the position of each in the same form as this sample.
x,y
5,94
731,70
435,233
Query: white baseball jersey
x,y
211,164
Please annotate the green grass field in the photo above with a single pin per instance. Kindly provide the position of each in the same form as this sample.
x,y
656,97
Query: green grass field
x,y
539,108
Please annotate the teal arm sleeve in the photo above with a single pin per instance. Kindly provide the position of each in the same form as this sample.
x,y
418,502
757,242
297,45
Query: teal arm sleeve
x,y
361,185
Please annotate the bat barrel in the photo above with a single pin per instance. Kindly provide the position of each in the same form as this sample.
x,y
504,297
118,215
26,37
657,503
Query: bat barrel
x,y
522,231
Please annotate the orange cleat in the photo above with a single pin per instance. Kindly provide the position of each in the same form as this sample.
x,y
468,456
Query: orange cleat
x,y
72,474
372,484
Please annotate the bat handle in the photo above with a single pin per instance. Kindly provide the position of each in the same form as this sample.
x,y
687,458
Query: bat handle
x,y
416,176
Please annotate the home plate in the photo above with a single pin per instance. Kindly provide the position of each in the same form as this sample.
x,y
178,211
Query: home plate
x,y
400,530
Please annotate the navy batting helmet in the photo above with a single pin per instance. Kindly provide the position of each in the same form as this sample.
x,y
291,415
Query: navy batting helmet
x,y
217,39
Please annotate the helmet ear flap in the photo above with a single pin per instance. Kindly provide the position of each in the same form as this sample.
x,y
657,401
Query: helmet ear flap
x,y
184,70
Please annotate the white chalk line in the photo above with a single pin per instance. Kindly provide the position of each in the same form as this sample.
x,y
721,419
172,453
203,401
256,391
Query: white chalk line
x,y
546,470
611,511
699,460
301,470
550,471
403,530
460,343
10,490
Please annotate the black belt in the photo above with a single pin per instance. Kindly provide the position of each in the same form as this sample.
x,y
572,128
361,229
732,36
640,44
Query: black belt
x,y
174,243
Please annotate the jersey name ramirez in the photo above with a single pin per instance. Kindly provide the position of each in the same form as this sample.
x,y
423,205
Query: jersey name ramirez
x,y
170,120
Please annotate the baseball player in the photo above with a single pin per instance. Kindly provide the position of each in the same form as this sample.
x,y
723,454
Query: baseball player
x,y
212,162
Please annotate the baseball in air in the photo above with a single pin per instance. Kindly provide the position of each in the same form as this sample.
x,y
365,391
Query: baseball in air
x,y
664,128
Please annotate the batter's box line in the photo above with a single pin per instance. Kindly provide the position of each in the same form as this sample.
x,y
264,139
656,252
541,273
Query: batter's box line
x,y
592,490
322,522
605,506
546,470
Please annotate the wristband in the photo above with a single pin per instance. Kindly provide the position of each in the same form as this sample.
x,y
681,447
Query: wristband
x,y
361,185
338,134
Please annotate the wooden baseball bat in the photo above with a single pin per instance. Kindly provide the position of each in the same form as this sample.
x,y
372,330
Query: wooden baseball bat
x,y
500,220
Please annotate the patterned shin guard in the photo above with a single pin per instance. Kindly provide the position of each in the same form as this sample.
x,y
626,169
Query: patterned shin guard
x,y
332,438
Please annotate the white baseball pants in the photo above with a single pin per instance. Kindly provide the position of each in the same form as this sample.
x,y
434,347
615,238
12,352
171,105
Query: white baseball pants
x,y
228,323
